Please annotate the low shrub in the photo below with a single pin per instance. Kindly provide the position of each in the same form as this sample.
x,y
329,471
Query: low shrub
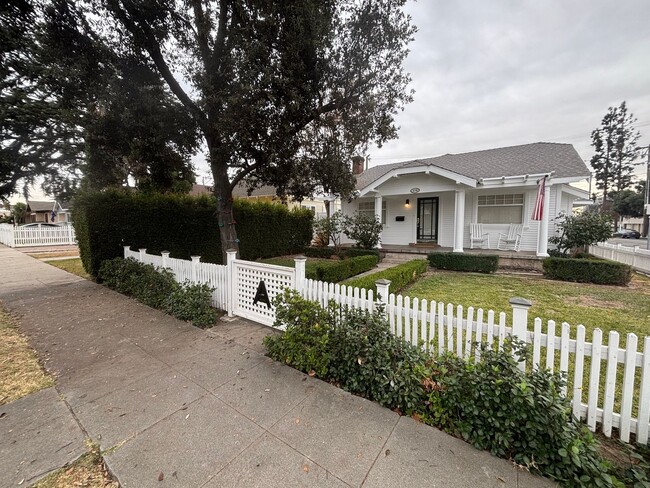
x,y
400,276
345,268
368,360
319,252
522,416
350,347
601,272
304,344
464,262
157,288
192,302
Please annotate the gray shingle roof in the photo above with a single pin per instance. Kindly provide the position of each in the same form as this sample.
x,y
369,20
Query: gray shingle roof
x,y
538,157
40,206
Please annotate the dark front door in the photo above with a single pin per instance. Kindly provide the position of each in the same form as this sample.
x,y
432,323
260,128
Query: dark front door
x,y
427,219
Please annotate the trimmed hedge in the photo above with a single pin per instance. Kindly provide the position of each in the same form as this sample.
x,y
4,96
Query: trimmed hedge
x,y
464,262
183,225
345,268
319,252
596,271
400,276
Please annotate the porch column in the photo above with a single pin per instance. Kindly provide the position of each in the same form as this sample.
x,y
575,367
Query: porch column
x,y
378,205
459,220
542,233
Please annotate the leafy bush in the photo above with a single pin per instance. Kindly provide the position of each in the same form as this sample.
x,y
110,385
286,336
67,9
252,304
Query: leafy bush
x,y
577,232
183,225
157,288
363,230
192,303
400,276
345,268
330,229
351,347
304,344
319,252
516,415
464,262
597,271
368,360
144,282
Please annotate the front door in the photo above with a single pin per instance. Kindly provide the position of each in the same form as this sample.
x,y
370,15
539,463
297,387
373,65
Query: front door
x,y
427,219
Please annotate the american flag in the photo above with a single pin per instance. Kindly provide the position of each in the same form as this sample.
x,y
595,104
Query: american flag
x,y
538,211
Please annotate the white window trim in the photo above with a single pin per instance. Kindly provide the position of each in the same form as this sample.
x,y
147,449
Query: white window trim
x,y
384,210
524,205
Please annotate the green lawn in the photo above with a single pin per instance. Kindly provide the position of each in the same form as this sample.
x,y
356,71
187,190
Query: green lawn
x,y
73,266
624,309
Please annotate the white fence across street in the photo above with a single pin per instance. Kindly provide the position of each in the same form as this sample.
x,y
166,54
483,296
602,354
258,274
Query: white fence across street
x,y
609,385
636,257
36,236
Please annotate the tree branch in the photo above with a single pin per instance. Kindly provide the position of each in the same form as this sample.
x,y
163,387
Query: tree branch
x,y
153,48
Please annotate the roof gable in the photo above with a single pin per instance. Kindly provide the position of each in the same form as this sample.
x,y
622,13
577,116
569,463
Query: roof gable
x,y
536,158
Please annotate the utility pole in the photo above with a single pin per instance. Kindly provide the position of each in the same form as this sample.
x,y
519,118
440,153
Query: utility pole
x,y
646,207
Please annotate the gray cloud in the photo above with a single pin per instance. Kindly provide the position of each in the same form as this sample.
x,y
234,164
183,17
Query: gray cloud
x,y
495,73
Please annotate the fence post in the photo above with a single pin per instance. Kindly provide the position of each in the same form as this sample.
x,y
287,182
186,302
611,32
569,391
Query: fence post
x,y
70,234
382,290
231,292
143,251
196,262
520,308
165,259
300,272
126,251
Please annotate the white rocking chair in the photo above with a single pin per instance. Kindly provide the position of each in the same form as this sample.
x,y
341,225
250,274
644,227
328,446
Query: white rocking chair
x,y
476,234
513,238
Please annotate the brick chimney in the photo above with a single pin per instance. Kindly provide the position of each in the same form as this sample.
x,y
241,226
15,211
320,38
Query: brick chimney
x,y
357,165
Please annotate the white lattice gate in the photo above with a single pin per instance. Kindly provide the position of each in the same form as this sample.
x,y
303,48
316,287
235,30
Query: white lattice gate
x,y
248,279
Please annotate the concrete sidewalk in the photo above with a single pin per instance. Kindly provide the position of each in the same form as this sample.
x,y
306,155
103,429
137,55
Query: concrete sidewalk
x,y
200,408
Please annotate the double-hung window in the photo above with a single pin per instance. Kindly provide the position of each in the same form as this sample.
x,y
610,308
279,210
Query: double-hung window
x,y
368,208
501,209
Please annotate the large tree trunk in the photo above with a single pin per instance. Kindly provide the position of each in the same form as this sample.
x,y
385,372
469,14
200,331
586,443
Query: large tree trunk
x,y
223,194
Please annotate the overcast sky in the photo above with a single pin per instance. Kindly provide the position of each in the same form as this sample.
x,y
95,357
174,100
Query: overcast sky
x,y
498,73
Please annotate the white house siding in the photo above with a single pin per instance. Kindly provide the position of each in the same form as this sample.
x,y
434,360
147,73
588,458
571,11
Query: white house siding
x,y
397,190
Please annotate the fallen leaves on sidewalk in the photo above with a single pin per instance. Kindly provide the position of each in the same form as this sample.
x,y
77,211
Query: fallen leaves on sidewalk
x,y
20,371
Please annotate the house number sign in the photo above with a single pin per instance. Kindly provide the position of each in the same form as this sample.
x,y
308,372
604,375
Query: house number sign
x,y
415,190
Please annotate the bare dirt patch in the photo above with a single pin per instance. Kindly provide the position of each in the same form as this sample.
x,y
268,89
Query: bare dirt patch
x,y
20,371
587,301
89,471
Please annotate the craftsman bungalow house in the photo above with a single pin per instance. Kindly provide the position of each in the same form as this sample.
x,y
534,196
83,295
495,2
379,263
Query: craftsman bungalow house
x,y
436,200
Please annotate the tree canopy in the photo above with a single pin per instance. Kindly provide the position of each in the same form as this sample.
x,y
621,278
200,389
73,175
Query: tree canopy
x,y
615,150
284,93
70,106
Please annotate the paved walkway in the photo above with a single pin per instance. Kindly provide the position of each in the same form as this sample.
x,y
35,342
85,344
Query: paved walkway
x,y
200,408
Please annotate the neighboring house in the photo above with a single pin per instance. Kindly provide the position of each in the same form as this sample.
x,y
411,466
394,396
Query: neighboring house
x,y
47,212
267,193
435,200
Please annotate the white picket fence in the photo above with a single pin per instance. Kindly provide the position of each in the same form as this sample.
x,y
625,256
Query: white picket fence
x,y
609,385
194,271
36,236
636,257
